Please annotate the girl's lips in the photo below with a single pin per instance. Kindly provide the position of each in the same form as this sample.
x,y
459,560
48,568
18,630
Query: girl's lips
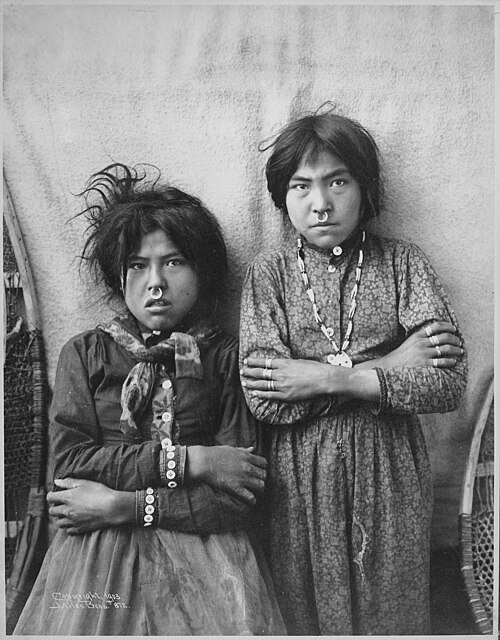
x,y
323,225
157,305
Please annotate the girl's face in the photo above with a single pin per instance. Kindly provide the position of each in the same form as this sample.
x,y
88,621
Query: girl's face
x,y
158,263
324,185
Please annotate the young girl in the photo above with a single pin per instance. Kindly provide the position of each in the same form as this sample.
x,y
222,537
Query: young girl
x,y
330,324
152,439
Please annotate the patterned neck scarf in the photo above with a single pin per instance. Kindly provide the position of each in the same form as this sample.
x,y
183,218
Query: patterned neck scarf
x,y
138,386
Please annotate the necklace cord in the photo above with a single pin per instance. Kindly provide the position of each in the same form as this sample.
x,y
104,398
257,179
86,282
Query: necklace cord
x,y
327,331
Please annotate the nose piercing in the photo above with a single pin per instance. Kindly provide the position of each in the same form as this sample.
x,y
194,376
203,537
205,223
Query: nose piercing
x,y
322,216
156,293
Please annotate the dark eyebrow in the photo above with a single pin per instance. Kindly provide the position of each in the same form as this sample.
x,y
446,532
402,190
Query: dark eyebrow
x,y
167,256
327,176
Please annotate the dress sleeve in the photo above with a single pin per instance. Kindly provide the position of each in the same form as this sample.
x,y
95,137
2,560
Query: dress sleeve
x,y
201,509
422,300
264,333
76,438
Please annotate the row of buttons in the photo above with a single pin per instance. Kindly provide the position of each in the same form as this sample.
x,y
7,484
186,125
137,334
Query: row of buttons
x,y
166,416
149,508
167,445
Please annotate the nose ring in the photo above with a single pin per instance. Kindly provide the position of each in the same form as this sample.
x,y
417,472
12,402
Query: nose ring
x,y
156,293
322,216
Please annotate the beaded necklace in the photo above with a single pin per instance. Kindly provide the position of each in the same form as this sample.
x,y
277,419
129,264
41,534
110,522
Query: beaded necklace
x,y
339,357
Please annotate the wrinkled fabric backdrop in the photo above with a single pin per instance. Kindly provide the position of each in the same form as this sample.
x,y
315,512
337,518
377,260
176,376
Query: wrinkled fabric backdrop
x,y
194,89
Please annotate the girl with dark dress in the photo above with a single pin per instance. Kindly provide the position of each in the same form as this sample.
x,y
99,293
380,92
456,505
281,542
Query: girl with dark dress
x,y
153,442
345,338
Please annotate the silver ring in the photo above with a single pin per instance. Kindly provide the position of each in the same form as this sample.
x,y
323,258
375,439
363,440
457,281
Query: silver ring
x,y
428,331
434,341
156,293
269,362
267,374
435,362
270,385
438,351
320,214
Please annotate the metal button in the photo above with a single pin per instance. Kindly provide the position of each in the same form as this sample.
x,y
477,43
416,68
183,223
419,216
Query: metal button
x,y
149,490
148,518
149,508
148,524
171,464
170,455
329,331
172,484
166,384
150,499
331,268
166,443
170,474
166,416
337,251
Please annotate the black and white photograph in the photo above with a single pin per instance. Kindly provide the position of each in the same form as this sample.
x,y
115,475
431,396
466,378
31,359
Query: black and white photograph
x,y
249,332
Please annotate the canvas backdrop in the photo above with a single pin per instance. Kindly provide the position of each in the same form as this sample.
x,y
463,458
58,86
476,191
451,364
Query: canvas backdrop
x,y
194,89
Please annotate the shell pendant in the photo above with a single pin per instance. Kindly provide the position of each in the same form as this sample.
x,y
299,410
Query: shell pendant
x,y
341,359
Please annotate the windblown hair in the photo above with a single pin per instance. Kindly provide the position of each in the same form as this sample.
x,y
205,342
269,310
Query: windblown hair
x,y
304,139
123,206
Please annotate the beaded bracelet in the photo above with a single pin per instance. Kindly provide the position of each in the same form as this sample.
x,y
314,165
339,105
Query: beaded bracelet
x,y
147,507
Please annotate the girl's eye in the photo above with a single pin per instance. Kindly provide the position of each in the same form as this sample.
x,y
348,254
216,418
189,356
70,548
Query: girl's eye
x,y
135,266
175,262
299,187
338,183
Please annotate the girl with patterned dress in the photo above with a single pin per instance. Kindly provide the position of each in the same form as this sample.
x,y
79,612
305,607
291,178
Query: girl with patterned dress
x,y
331,324
155,468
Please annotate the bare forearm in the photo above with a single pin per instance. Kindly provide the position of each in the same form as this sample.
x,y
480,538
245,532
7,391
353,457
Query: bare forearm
x,y
292,381
358,383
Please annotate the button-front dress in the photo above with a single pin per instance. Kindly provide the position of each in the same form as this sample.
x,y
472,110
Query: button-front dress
x,y
349,494
196,573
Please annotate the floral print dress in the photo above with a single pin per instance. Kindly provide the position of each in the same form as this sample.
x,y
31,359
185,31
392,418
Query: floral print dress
x,y
349,494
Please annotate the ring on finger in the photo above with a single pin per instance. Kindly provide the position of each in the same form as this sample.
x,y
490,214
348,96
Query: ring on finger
x,y
269,362
433,340
267,374
438,351
435,362
270,385
428,331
